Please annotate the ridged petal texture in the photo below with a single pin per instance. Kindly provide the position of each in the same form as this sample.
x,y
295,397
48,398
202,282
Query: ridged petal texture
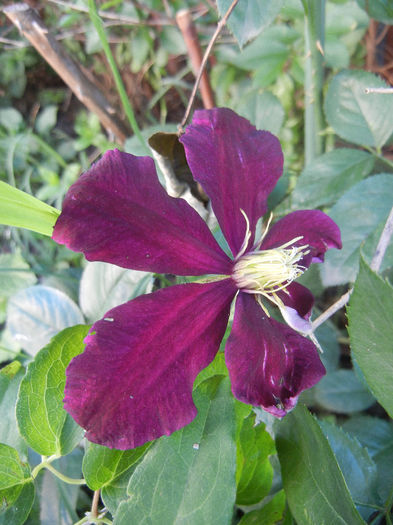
x,y
118,212
237,167
133,383
269,363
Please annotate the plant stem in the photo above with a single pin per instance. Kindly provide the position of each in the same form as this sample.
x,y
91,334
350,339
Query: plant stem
x,y
94,504
46,463
314,43
379,156
96,20
213,39
48,149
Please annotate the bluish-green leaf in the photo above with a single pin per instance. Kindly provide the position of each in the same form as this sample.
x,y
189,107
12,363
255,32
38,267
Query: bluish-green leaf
x,y
20,209
372,432
264,110
359,470
10,378
102,465
341,391
370,315
356,116
42,420
359,213
104,286
36,314
327,177
189,477
313,482
249,17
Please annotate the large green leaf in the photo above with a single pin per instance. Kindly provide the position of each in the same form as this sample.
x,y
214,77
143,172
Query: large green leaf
x,y
381,10
327,177
189,477
269,514
356,116
254,472
359,470
104,286
42,420
102,465
18,208
314,485
36,314
249,17
341,391
10,378
372,432
12,471
370,315
264,110
360,213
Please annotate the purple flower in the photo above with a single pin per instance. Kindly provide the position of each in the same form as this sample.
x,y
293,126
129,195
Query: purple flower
x,y
133,383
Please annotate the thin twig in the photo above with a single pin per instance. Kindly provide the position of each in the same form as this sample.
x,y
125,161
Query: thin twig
x,y
122,19
190,36
220,25
375,265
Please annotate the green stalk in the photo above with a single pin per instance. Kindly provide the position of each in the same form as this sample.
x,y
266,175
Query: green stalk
x,y
314,11
96,20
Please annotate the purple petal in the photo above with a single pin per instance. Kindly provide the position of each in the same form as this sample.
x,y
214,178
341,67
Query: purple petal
x,y
298,297
318,230
133,382
236,165
118,212
269,363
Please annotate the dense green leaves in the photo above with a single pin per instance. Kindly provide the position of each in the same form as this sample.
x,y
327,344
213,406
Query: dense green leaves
x,y
327,177
264,110
189,477
381,10
254,473
36,314
104,286
249,17
313,482
373,197
25,211
102,465
42,421
356,116
370,315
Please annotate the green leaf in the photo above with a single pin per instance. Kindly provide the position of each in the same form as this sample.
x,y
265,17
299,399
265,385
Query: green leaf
x,y
11,119
384,462
46,119
373,197
189,477
116,491
42,420
102,465
327,177
104,286
254,474
36,314
20,209
359,470
314,485
10,378
216,368
341,391
355,116
15,274
12,470
372,432
264,110
249,17
269,514
381,10
16,504
370,314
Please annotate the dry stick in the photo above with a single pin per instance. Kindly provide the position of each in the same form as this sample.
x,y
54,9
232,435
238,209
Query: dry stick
x,y
32,27
220,25
374,265
187,28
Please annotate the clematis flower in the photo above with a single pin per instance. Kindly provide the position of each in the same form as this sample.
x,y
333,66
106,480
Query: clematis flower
x,y
133,382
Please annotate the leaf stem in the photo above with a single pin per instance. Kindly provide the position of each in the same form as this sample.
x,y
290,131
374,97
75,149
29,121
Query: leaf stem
x,y
380,157
96,521
97,22
46,463
213,39
314,11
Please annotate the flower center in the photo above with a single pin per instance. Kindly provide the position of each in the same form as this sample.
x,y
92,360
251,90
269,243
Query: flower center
x,y
266,272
